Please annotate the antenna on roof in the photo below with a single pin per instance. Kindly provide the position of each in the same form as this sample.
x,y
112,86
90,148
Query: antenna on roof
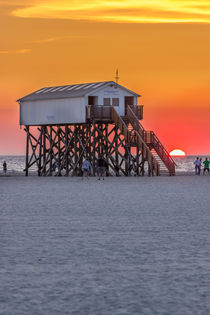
x,y
117,77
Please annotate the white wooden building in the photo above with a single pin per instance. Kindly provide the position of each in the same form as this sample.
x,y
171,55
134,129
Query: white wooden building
x,y
67,104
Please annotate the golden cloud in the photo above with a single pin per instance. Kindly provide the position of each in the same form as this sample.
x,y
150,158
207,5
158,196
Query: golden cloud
x,y
18,51
17,3
150,11
52,39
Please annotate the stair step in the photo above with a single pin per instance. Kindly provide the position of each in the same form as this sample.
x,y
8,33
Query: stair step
x,y
153,141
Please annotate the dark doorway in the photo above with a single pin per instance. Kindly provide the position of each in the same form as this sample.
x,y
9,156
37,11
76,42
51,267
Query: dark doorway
x,y
129,100
92,100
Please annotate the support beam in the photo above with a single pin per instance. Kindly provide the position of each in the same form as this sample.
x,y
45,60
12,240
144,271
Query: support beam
x,y
57,150
27,150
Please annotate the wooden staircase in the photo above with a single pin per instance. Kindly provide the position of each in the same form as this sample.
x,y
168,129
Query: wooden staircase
x,y
134,138
157,147
158,151
163,168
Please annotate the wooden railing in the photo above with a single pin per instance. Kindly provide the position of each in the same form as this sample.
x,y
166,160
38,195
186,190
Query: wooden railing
x,y
121,124
99,112
153,164
161,151
138,111
135,136
151,139
105,112
135,122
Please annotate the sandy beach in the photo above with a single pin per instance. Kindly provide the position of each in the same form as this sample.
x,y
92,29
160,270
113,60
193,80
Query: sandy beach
x,y
118,246
105,87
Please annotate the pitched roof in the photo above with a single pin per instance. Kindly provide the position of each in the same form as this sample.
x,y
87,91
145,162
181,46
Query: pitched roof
x,y
67,91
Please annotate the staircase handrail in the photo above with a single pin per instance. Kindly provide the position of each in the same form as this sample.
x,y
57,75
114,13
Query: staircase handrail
x,y
135,122
120,123
162,152
159,144
167,159
154,165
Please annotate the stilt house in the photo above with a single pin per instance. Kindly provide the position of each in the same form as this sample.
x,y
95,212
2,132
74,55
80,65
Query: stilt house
x,y
88,120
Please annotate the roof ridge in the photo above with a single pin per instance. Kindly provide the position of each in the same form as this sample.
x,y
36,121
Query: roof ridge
x,y
71,90
54,86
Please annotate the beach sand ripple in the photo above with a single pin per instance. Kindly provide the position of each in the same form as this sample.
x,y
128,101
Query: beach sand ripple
x,y
118,246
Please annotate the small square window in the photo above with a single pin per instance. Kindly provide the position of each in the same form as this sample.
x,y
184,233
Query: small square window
x,y
107,101
115,102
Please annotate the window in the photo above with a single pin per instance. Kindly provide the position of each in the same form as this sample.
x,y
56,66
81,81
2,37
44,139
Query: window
x,y
115,102
107,101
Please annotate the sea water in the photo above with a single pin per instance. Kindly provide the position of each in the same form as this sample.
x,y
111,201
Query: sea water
x,y
16,164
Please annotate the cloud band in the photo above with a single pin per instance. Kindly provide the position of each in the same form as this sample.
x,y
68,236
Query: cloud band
x,y
150,11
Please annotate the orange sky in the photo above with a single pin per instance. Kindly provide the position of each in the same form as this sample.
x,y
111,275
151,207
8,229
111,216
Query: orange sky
x,y
161,49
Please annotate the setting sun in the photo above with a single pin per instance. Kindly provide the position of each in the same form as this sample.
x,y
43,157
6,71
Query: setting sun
x,y
177,152
62,42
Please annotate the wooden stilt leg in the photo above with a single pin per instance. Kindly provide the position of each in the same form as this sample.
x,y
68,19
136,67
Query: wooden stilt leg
x,y
94,150
50,152
59,150
40,152
66,148
67,145
27,150
44,150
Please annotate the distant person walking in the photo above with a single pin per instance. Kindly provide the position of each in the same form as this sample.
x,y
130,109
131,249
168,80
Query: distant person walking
x,y
201,165
197,164
5,167
102,165
85,168
206,164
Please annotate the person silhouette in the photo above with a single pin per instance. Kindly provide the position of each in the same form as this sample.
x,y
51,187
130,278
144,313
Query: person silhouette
x,y
197,164
102,166
5,167
85,168
206,164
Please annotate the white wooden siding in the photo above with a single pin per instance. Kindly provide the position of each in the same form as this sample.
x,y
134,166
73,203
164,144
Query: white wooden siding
x,y
69,110
58,111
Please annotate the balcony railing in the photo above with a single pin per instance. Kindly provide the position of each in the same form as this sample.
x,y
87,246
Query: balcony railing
x,y
101,112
